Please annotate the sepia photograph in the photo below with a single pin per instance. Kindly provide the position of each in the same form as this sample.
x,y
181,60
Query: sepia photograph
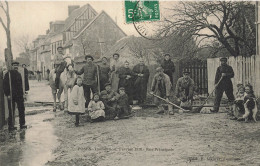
x,y
129,83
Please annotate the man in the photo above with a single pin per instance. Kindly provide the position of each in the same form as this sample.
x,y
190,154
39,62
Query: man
x,y
104,73
89,78
161,86
140,84
17,96
26,80
58,65
115,64
223,77
168,66
109,98
126,77
185,88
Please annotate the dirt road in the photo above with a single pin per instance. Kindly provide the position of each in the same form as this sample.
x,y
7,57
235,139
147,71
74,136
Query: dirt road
x,y
157,140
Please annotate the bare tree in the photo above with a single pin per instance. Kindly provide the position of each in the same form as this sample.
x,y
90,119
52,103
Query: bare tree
x,y
6,25
228,22
23,43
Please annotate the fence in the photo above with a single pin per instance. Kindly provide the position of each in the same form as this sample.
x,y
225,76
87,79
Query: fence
x,y
246,69
198,72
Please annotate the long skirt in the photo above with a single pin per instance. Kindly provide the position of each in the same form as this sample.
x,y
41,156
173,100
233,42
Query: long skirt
x,y
96,114
114,81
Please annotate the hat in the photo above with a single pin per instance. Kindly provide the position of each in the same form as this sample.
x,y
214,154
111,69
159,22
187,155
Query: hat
x,y
186,72
159,69
122,88
23,64
59,47
89,56
166,54
15,63
223,59
116,54
107,84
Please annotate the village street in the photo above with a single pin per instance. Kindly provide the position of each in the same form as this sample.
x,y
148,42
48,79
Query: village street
x,y
145,139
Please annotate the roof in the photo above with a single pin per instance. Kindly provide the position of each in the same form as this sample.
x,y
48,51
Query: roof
x,y
92,21
75,14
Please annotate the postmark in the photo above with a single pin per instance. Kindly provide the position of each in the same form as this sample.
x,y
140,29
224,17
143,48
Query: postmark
x,y
145,16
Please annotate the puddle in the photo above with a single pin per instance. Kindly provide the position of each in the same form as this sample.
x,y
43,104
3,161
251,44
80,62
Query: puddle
x,y
35,145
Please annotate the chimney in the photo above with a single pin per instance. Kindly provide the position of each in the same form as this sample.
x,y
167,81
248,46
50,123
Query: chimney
x,y
71,8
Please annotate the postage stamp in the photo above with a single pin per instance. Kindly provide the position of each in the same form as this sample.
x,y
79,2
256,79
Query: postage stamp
x,y
139,10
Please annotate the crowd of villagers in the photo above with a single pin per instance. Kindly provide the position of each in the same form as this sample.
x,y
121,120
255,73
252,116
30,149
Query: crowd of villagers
x,y
118,86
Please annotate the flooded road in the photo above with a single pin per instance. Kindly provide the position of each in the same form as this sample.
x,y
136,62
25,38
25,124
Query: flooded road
x,y
30,147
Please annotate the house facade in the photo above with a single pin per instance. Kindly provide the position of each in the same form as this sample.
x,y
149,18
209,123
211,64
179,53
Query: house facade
x,y
83,32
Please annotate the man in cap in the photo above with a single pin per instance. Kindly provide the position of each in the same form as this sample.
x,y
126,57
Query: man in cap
x,y
109,98
17,96
89,78
161,86
59,65
168,66
142,73
185,88
224,74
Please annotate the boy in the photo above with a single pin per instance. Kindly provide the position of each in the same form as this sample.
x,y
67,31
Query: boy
x,y
123,107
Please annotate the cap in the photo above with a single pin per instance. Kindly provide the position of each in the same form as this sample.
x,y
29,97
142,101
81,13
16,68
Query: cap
x,y
159,69
122,88
186,72
15,63
59,47
116,54
167,54
223,59
89,56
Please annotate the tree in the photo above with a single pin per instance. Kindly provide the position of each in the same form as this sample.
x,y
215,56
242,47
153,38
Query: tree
x,y
6,25
228,22
23,43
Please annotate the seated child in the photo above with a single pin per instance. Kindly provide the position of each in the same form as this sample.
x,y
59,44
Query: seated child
x,y
77,100
123,107
249,104
96,109
238,108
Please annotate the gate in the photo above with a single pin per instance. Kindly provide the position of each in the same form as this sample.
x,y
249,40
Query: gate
x,y
198,72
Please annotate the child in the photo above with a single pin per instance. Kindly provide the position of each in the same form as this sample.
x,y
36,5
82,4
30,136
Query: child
x,y
96,109
77,100
123,107
249,104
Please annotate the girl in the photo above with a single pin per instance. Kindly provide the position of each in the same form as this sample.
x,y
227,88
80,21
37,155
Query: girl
x,y
77,100
238,108
96,109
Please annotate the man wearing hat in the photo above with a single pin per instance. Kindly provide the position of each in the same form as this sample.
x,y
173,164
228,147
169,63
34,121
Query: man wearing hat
x,y
109,98
168,66
89,78
59,65
17,96
225,73
185,88
161,86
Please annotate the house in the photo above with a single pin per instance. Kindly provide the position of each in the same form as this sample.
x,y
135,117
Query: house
x,y
83,32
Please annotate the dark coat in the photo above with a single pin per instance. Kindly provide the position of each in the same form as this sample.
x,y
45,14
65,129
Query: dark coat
x,y
123,82
226,80
16,84
90,74
140,83
26,80
168,67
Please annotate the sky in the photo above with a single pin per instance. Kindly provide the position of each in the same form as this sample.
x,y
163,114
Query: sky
x,y
30,18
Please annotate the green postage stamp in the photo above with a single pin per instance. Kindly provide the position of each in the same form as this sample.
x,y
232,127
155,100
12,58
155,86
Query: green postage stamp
x,y
138,10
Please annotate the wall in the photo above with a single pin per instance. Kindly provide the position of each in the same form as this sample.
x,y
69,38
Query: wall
x,y
246,69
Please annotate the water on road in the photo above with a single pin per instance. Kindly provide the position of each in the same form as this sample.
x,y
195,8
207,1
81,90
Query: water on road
x,y
33,146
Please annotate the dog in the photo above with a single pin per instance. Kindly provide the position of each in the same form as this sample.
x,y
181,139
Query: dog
x,y
250,110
